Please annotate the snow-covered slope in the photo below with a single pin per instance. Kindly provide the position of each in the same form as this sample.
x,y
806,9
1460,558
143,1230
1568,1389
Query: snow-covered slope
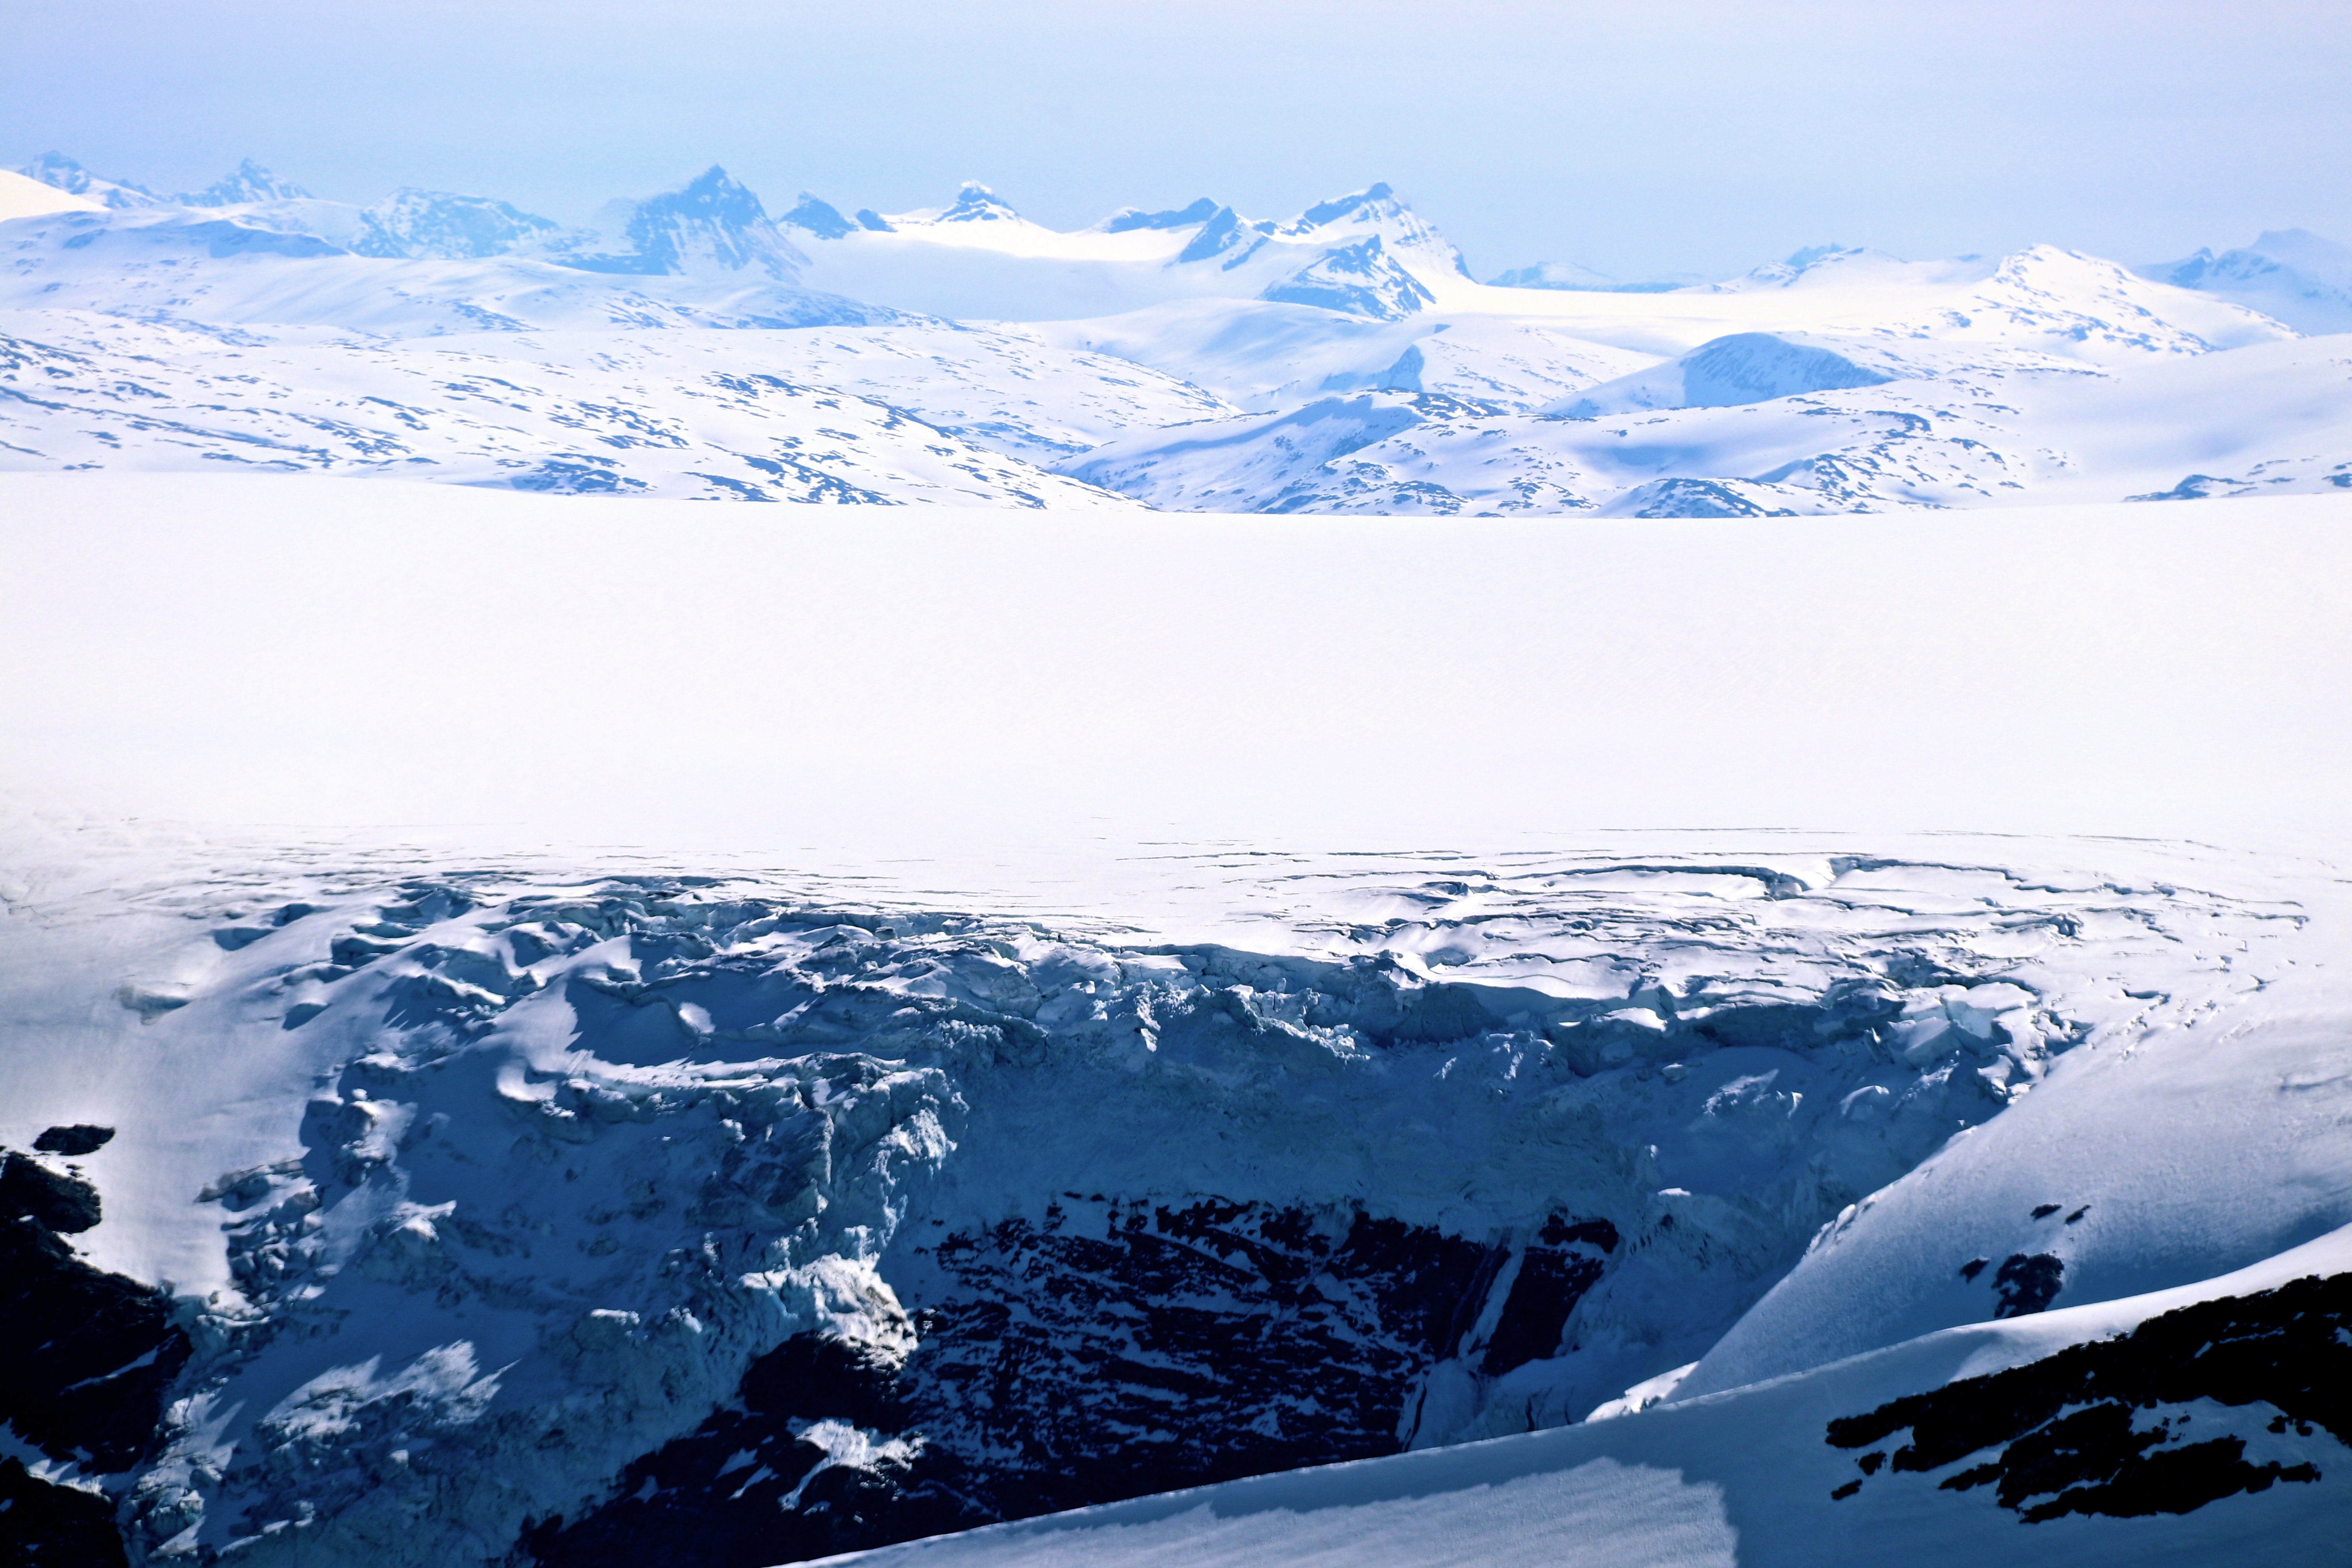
x,y
1343,359
62,172
1967,426
1007,388
442,225
100,393
21,198
173,262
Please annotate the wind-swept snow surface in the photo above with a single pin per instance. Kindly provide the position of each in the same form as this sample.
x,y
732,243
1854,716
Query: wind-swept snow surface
x,y
937,677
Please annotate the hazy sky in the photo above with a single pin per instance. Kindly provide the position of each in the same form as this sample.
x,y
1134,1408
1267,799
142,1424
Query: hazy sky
x,y
1638,138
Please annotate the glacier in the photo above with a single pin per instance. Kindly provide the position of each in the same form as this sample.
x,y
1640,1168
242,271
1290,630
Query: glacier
x,y
596,1216
540,1033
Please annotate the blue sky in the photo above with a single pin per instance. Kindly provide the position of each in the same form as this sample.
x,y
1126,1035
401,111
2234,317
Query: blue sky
x,y
1638,138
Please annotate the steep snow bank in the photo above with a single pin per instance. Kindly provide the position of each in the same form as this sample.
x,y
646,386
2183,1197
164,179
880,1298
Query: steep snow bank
x,y
21,197
2165,1156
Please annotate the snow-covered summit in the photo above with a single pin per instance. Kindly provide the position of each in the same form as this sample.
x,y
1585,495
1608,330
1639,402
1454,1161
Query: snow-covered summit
x,y
713,224
1358,280
56,169
442,225
1832,266
1740,368
975,202
1198,213
248,182
1378,210
817,215
1365,254
1578,278
2291,274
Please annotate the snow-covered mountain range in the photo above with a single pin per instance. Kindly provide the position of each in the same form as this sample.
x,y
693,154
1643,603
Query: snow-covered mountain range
x,y
1342,360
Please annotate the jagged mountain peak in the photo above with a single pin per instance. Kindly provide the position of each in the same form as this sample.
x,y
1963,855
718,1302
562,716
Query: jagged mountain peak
x,y
819,217
1377,194
1805,256
713,195
66,174
975,202
1128,219
712,222
1376,209
2290,274
248,182
1568,275
445,226
1358,280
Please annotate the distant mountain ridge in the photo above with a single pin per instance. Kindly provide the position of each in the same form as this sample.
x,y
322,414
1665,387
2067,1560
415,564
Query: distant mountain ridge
x,y
1343,359
2291,274
713,223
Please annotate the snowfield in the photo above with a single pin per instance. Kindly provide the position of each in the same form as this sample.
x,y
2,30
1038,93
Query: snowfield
x,y
1670,925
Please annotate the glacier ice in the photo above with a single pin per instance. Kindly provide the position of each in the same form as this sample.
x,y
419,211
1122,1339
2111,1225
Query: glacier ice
x,y
593,1201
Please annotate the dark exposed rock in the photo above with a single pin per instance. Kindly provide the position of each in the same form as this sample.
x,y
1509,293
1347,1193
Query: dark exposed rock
x,y
1551,1279
30,1190
1110,1350
90,1354
2066,1433
44,1524
78,1140
747,1488
1142,1348
2027,1284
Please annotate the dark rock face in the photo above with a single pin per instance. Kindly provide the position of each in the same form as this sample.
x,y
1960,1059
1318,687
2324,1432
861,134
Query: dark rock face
x,y
70,1141
1110,1350
1123,1348
2065,1435
89,1358
2028,1284
1553,1275
57,1201
747,1489
90,1353
43,1524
